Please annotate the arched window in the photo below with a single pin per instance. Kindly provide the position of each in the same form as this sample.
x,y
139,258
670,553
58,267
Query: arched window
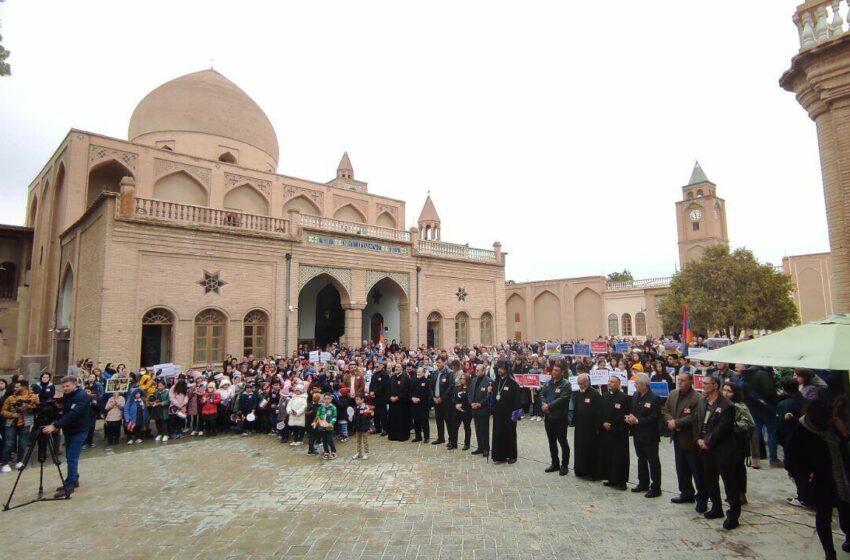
x,y
690,195
66,300
435,321
227,157
254,334
699,193
627,324
157,325
487,329
8,280
462,329
640,324
209,336
613,325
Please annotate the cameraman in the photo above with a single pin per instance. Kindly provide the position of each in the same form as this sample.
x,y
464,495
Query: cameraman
x,y
47,410
18,411
75,421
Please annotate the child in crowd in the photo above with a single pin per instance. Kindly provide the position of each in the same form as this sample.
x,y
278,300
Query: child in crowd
x,y
209,408
114,415
135,415
310,420
247,408
343,403
178,401
361,424
325,421
295,411
160,410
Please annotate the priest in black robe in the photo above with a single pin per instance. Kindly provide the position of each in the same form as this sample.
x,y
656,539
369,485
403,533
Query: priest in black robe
x,y
587,418
614,436
399,429
507,404
379,391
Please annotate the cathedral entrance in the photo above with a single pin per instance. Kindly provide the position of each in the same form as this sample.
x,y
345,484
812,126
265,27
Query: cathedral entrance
x,y
321,318
377,329
386,313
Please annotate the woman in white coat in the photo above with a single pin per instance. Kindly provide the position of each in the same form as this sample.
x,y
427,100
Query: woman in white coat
x,y
296,408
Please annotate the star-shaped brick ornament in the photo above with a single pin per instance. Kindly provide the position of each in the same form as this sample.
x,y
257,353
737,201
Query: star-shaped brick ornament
x,y
461,294
212,282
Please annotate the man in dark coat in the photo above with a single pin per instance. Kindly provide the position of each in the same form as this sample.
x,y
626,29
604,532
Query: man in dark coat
x,y
614,436
442,387
644,421
555,397
420,404
587,420
507,404
399,428
479,394
680,412
715,432
379,390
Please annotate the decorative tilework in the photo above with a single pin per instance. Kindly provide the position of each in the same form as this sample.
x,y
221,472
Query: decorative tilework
x,y
101,153
232,180
400,278
307,272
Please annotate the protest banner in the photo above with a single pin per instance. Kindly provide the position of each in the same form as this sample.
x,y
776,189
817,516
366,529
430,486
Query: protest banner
x,y
660,388
166,370
567,349
698,383
672,348
632,388
599,377
581,349
531,380
314,356
325,357
552,349
544,378
119,384
695,351
624,377
670,370
598,346
573,382
622,347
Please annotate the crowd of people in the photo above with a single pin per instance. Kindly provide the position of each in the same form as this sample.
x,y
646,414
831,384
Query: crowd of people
x,y
720,419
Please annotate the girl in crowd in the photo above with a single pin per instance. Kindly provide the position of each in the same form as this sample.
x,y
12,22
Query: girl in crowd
x,y
160,410
210,401
178,399
295,414
114,416
745,433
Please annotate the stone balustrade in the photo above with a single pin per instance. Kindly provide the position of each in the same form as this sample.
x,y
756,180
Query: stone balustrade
x,y
452,250
148,208
353,228
819,21
644,283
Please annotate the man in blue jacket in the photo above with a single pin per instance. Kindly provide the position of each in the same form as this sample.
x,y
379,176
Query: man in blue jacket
x,y
75,422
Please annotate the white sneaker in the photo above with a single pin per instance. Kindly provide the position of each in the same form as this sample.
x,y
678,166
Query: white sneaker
x,y
19,466
194,433
158,438
357,456
130,442
138,441
293,444
299,443
164,438
200,433
364,456
6,468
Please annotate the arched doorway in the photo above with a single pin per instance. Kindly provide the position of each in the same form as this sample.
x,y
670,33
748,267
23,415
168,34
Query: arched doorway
x,y
321,318
435,321
387,299
376,327
157,325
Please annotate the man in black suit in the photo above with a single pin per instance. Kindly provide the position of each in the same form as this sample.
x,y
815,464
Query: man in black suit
x,y
715,432
644,421
479,394
442,387
379,390
555,397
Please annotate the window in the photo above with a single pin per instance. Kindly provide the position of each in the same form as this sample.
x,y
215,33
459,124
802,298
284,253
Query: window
x,y
254,334
462,329
487,329
695,225
613,325
8,280
699,193
209,337
690,195
627,324
227,157
434,328
640,324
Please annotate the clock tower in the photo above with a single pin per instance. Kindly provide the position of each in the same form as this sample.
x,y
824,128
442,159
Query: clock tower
x,y
700,217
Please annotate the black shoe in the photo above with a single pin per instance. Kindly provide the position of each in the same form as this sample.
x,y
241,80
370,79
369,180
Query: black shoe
x,y
486,454
622,487
637,489
563,471
451,447
682,500
730,523
384,434
511,461
845,546
62,488
373,431
438,441
652,494
713,513
701,507
426,440
415,440
552,468
465,447
477,452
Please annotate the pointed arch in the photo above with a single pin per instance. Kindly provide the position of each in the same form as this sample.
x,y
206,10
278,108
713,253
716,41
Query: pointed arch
x,y
227,157
303,204
547,316
589,314
247,198
105,176
349,213
516,316
33,215
181,187
385,219
65,304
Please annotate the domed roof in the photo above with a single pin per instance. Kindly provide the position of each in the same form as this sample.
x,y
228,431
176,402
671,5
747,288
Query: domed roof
x,y
205,102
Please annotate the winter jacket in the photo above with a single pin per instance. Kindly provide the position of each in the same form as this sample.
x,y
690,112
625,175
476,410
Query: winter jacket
x,y
326,414
296,409
24,404
209,403
76,413
177,401
115,409
135,412
247,403
160,408
192,403
362,418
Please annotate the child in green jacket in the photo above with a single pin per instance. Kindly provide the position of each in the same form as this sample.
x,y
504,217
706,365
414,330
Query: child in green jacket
x,y
324,423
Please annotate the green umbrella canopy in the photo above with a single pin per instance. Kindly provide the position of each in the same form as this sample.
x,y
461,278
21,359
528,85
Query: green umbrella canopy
x,y
823,344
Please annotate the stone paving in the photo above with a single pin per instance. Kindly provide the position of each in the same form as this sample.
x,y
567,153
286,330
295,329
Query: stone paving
x,y
240,497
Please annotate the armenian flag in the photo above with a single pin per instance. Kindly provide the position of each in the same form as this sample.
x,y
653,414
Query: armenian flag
x,y
687,334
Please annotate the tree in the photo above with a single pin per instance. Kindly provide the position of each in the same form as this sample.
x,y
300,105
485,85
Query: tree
x,y
625,276
729,291
5,67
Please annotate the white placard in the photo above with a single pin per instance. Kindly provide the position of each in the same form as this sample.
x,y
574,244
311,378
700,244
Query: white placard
x,y
632,388
599,377
573,382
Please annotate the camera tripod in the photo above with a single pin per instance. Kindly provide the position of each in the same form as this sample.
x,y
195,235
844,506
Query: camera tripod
x,y
44,443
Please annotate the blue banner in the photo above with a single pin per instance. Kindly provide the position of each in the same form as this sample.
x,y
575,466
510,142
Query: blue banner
x,y
660,388
582,349
622,347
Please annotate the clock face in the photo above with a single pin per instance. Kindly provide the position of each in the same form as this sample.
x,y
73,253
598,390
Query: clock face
x,y
696,214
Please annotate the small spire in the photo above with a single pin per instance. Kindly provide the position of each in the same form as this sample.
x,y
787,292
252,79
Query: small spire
x,y
345,169
429,211
698,175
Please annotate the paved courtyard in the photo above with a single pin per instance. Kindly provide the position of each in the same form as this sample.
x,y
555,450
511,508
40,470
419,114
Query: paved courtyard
x,y
241,497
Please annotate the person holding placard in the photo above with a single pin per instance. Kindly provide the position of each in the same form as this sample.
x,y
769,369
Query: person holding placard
x,y
587,420
644,419
614,436
555,397
679,415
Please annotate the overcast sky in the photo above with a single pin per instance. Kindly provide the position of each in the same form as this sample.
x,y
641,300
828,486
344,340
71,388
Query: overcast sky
x,y
565,130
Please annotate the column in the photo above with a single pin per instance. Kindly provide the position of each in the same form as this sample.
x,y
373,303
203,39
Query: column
x,y
353,336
